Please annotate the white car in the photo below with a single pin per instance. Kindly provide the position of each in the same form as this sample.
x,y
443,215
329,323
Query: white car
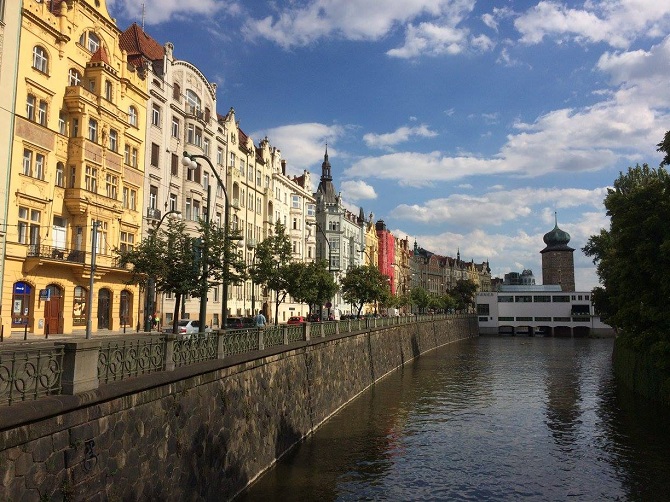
x,y
187,327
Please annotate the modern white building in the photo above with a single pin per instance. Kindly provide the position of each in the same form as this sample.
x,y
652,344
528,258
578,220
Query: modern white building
x,y
539,310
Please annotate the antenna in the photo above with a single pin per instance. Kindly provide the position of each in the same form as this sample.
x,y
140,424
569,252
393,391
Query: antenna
x,y
143,15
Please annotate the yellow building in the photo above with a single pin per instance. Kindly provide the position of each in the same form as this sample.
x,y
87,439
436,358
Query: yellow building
x,y
76,175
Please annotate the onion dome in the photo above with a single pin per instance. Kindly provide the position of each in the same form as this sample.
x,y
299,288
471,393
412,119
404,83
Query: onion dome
x,y
556,239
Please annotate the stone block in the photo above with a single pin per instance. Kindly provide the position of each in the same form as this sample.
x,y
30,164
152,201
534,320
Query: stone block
x,y
80,366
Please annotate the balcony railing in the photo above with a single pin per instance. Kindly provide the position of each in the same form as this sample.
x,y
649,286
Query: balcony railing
x,y
56,253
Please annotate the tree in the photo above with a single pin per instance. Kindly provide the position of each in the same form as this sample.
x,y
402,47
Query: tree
x,y
464,294
169,256
632,259
664,146
312,283
272,265
364,284
420,297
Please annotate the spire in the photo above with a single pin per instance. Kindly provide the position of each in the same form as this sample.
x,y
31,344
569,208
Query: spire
x,y
326,187
325,167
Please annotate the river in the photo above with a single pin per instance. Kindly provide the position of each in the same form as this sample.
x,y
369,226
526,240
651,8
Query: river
x,y
486,419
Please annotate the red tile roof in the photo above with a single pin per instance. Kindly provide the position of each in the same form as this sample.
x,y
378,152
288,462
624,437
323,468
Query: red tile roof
x,y
139,45
100,56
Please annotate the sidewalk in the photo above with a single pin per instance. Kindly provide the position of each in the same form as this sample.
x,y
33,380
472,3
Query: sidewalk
x,y
20,336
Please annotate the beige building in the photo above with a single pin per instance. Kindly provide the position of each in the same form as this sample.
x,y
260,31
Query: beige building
x,y
73,195
10,22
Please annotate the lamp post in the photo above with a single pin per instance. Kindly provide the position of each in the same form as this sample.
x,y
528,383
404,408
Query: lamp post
x,y
251,246
330,261
188,160
89,302
150,304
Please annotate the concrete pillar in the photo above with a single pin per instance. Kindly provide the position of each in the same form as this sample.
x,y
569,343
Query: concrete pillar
x,y
80,366
169,351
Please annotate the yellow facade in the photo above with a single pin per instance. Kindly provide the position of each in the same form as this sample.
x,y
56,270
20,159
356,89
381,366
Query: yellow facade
x,y
77,170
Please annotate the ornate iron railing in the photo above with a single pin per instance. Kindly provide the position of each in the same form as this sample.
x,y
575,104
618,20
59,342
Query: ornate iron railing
x,y
273,336
295,333
28,373
56,253
329,328
121,358
194,348
239,341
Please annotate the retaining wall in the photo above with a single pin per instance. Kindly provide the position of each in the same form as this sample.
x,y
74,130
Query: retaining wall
x,y
201,432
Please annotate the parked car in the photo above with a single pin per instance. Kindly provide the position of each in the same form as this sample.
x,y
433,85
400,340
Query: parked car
x,y
240,322
187,327
314,318
296,319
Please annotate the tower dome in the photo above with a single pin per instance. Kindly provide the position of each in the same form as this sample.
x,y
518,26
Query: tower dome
x,y
556,238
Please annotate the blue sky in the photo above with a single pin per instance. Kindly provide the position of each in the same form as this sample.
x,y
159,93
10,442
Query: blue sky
x,y
464,125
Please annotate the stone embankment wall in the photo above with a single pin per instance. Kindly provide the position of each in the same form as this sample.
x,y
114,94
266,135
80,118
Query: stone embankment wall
x,y
202,432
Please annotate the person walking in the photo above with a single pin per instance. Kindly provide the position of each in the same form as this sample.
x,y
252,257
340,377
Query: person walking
x,y
260,320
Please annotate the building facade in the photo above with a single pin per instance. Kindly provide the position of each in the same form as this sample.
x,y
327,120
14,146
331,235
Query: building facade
x,y
74,197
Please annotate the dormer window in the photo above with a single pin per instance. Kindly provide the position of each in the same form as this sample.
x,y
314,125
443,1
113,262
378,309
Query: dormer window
x,y
90,40
193,100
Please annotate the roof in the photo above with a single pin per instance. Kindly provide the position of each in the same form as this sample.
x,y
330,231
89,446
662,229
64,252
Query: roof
x,y
139,45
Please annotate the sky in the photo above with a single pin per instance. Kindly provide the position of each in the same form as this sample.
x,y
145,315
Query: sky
x,y
465,125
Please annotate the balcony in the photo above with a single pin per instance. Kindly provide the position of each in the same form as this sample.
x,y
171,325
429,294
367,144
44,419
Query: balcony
x,y
153,213
56,253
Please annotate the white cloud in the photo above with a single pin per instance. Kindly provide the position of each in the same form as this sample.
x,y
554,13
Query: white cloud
x,y
159,11
615,22
301,144
358,190
494,208
398,136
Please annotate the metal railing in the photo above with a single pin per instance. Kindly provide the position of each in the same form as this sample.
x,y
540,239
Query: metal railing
x,y
29,372
121,358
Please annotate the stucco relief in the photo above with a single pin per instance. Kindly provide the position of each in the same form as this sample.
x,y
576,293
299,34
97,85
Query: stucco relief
x,y
35,134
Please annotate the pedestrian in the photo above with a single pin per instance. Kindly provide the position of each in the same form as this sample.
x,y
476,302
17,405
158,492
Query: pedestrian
x,y
260,320
155,321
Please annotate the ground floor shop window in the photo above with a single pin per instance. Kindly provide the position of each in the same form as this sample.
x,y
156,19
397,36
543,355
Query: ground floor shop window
x,y
21,295
79,307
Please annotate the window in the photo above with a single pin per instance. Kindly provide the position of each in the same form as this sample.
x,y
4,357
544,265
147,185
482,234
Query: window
x,y
196,209
258,205
560,299
113,140
258,177
133,199
40,59
523,298
156,115
172,203
27,162
174,165
153,197
39,166
175,127
109,90
60,175
73,77
267,181
194,174
93,130
505,299
194,135
205,146
90,40
542,298
176,92
311,209
127,241
132,116
133,157
29,226
219,156
125,197
111,186
155,153
30,107
42,113
232,159
62,120
91,179
193,101
295,201
187,212
207,114
126,154
205,180
75,128
73,176
79,306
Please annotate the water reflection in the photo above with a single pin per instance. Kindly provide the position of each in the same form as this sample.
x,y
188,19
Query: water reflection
x,y
486,419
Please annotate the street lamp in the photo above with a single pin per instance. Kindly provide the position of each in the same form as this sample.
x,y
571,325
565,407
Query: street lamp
x,y
150,304
330,261
189,161
251,246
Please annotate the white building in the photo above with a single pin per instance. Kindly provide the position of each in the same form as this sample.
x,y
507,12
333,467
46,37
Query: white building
x,y
539,310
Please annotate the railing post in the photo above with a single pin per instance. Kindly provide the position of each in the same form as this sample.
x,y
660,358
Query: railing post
x,y
337,327
170,338
220,345
307,331
261,341
284,331
80,366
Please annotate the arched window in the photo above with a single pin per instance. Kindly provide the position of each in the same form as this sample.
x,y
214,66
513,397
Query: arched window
x,y
73,77
79,307
90,40
126,308
176,92
132,116
40,59
193,100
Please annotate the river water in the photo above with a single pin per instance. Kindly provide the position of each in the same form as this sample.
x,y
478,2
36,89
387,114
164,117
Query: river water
x,y
492,418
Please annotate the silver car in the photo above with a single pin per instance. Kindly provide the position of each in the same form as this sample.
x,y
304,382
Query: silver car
x,y
187,327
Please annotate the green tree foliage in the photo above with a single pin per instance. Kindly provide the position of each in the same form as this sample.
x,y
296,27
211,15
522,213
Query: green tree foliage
x,y
420,297
664,146
464,294
632,260
364,284
311,283
225,261
272,266
168,256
